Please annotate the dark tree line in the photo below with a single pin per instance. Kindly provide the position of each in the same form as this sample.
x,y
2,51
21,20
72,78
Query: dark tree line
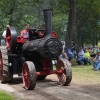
x,y
77,20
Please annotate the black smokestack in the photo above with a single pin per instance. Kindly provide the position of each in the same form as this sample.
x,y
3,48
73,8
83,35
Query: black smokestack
x,y
48,22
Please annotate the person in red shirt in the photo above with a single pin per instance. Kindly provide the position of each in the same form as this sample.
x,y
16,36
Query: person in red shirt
x,y
25,33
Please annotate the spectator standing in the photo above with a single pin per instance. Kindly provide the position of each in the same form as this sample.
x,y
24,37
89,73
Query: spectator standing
x,y
73,48
4,36
63,54
4,33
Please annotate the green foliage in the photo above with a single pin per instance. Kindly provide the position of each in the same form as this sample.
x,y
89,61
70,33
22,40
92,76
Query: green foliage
x,y
18,13
59,25
89,14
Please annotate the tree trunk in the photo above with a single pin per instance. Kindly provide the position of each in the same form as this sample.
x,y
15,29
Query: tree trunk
x,y
69,33
93,38
79,34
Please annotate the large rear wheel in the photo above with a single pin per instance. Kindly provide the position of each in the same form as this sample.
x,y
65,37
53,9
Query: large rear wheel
x,y
11,38
29,75
64,66
4,69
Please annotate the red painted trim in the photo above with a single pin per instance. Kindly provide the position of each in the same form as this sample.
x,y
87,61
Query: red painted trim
x,y
54,34
20,40
49,72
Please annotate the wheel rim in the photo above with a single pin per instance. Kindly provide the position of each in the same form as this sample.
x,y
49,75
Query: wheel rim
x,y
11,38
64,66
61,77
26,76
1,66
8,38
8,41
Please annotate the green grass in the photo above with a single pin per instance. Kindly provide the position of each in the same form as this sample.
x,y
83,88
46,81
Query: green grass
x,y
5,96
85,75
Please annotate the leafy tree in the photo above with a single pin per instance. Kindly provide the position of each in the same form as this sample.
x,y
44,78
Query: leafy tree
x,y
17,13
72,20
87,17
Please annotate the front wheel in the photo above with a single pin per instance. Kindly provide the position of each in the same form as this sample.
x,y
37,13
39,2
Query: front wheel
x,y
29,75
64,66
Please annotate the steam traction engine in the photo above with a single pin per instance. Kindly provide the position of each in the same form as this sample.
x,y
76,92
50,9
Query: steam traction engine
x,y
33,58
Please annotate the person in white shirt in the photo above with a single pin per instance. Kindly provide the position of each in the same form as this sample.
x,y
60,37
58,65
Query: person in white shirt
x,y
63,54
4,36
4,33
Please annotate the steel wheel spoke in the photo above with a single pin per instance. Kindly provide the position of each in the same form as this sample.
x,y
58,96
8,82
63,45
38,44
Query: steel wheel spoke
x,y
26,76
28,69
61,77
27,81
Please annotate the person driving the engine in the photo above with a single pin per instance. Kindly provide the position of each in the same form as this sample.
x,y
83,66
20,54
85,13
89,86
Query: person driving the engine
x,y
25,33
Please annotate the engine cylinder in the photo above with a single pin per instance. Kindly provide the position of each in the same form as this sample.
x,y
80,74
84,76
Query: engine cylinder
x,y
47,48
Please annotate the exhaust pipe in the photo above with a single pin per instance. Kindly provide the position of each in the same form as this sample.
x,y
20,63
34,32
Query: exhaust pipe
x,y
48,22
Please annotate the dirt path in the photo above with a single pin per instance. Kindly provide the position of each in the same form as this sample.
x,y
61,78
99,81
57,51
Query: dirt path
x,y
49,89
